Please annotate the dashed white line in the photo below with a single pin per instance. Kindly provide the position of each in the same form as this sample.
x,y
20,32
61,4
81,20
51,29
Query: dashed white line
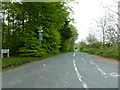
x,y
41,77
103,73
79,76
99,69
44,65
74,54
82,58
66,79
114,75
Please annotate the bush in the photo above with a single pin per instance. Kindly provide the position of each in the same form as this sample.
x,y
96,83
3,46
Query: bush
x,y
97,45
32,46
109,52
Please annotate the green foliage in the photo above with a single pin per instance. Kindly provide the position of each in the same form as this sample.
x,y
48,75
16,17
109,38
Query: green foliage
x,y
69,35
112,53
32,46
97,49
65,45
16,61
91,39
24,21
97,45
83,45
51,40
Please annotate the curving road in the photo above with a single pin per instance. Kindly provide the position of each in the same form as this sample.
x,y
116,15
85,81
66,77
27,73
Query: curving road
x,y
69,70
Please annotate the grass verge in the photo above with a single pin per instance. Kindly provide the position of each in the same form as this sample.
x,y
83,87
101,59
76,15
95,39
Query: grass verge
x,y
12,62
111,53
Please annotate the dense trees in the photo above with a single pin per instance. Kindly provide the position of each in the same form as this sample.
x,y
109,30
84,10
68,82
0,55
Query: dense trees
x,y
69,35
23,21
91,39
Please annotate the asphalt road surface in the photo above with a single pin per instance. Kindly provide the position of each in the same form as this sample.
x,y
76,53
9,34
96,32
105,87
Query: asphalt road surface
x,y
69,70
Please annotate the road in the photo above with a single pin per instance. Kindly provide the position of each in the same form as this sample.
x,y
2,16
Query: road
x,y
68,70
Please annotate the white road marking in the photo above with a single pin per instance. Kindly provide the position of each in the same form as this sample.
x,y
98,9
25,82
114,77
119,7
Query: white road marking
x,y
114,75
91,62
84,61
66,79
41,77
99,69
82,58
66,72
74,54
79,76
44,65
103,73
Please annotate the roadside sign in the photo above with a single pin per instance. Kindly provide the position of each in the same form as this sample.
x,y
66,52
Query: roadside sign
x,y
40,36
4,51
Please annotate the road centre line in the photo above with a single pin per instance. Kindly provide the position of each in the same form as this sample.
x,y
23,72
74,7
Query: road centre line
x,y
44,65
79,76
74,54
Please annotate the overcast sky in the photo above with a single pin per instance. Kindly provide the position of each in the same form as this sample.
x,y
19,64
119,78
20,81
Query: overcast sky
x,y
85,13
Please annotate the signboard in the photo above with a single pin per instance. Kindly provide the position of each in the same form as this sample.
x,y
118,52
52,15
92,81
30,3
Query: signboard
x,y
40,36
5,50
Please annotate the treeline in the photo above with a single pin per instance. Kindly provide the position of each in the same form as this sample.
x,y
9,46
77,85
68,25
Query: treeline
x,y
93,46
103,37
21,23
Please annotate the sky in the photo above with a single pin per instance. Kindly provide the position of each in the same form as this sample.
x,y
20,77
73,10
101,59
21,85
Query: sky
x,y
85,14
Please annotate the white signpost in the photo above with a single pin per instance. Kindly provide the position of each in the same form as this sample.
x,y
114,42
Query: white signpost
x,y
5,51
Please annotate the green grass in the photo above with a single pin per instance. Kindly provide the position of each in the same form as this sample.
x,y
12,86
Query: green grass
x,y
107,52
16,61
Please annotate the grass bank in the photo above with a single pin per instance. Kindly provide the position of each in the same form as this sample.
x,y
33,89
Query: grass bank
x,y
12,62
107,52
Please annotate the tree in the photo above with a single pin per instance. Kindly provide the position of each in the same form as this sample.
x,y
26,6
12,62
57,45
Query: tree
x,y
24,21
111,36
69,35
102,25
83,45
107,25
91,39
114,10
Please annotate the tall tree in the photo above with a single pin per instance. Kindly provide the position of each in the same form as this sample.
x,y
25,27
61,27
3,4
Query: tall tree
x,y
25,20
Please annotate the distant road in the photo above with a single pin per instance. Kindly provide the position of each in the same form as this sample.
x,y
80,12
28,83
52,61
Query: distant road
x,y
69,70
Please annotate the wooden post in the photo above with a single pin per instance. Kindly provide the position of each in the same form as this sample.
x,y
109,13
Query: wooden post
x,y
7,55
1,55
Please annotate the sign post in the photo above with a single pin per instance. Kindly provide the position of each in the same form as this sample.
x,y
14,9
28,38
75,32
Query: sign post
x,y
5,51
40,35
